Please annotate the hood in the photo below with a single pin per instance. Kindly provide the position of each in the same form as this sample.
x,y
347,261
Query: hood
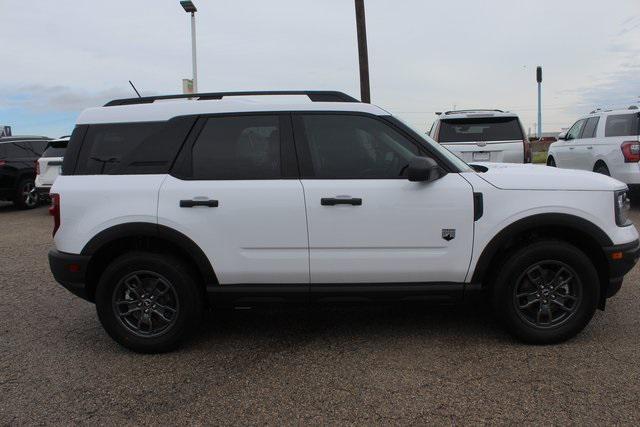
x,y
513,176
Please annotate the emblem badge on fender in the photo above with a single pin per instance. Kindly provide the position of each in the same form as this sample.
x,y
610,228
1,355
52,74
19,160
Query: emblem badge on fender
x,y
448,234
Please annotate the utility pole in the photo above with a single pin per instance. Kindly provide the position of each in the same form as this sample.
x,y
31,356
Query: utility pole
x,y
539,80
363,55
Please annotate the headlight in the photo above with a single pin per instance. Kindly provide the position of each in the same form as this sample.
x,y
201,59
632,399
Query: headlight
x,y
622,205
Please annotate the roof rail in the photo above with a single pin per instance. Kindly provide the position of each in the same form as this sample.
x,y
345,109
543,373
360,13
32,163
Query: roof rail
x,y
314,95
472,111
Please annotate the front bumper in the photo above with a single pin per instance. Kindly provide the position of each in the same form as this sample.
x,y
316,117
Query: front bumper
x,y
70,271
621,259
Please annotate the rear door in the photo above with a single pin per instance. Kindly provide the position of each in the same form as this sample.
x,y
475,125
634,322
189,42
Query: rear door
x,y
235,191
484,139
367,222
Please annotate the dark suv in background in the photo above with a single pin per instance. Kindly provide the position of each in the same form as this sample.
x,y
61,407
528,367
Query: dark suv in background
x,y
18,157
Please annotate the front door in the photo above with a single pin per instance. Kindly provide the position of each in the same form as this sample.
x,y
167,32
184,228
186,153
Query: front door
x,y
367,222
237,195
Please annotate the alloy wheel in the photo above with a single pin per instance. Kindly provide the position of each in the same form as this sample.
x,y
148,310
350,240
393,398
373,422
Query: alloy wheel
x,y
145,303
547,294
29,194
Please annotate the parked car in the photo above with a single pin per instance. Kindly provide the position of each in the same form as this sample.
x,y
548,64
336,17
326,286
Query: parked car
x,y
48,166
606,142
18,156
214,201
482,136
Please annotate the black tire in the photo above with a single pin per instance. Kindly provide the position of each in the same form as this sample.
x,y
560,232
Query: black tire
x,y
176,291
26,196
551,162
601,168
521,315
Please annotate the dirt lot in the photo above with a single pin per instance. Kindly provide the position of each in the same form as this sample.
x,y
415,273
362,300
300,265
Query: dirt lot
x,y
338,366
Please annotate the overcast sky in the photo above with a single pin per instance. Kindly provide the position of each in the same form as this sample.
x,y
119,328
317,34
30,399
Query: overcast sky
x,y
425,56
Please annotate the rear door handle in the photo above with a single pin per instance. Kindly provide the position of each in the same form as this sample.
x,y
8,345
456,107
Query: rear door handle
x,y
332,201
193,203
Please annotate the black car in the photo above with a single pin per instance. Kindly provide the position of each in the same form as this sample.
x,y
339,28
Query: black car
x,y
18,157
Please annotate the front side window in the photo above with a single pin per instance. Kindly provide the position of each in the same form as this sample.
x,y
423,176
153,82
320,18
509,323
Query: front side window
x,y
576,130
240,147
356,147
622,125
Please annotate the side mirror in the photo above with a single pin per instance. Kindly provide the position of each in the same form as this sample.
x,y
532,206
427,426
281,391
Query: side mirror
x,y
562,136
423,169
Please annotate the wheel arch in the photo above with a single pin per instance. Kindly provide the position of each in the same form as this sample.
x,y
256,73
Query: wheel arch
x,y
114,241
584,234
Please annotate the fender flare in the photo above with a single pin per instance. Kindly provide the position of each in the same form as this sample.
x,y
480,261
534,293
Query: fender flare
x,y
575,223
147,229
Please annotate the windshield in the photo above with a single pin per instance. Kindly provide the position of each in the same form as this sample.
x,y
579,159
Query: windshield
x,y
459,163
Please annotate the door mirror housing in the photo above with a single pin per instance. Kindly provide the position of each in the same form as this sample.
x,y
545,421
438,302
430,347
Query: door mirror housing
x,y
562,136
423,169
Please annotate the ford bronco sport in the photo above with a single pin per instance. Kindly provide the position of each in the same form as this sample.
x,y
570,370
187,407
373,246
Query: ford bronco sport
x,y
167,206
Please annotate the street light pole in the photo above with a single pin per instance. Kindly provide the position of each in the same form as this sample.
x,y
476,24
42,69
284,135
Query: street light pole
x,y
189,7
194,64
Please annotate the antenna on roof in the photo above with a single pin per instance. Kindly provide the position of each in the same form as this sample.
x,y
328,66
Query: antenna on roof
x,y
134,88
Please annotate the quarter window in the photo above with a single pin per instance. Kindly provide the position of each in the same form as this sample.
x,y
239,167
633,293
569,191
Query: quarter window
x,y
622,125
241,147
356,147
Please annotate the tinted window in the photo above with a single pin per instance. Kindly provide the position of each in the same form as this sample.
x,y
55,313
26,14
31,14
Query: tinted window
x,y
105,146
590,128
54,152
622,125
243,147
576,129
350,146
480,129
21,149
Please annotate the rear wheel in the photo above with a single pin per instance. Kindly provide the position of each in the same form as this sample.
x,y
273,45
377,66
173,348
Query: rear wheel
x,y
546,292
26,196
551,162
601,168
148,302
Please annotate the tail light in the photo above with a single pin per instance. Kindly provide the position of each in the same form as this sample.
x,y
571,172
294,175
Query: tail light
x,y
631,151
37,167
54,211
526,145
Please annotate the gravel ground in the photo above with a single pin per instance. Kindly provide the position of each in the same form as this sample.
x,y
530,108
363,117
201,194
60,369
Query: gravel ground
x,y
443,364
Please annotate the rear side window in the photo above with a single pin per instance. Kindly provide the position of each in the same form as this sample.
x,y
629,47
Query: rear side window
x,y
480,129
106,145
590,128
22,149
241,147
622,125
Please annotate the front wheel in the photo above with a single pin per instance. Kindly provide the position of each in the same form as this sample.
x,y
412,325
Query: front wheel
x,y
551,162
546,292
148,302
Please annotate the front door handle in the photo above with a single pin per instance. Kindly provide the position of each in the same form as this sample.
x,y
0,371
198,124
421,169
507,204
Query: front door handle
x,y
332,201
193,203
571,148
589,148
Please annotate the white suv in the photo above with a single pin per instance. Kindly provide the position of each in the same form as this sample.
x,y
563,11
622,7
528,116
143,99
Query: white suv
x,y
607,142
48,166
166,208
482,136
